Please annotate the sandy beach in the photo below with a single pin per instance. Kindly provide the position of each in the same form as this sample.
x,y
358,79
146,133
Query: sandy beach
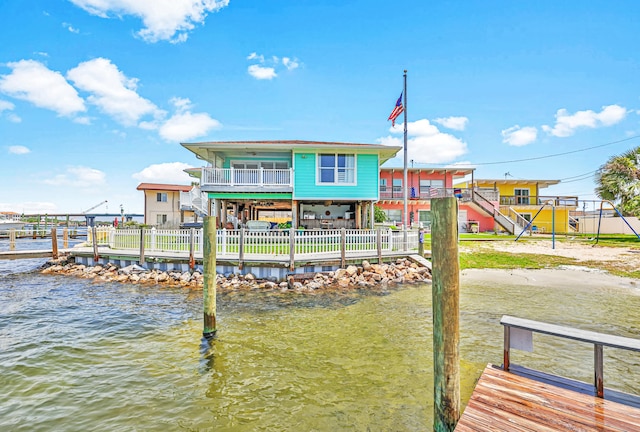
x,y
565,275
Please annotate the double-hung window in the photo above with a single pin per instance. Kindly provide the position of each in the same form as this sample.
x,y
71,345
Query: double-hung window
x,y
161,197
336,168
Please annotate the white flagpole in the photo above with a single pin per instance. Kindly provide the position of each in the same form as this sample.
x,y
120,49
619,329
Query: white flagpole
x,y
405,182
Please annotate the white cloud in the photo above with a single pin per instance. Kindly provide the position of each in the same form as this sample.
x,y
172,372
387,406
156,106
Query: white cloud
x,y
70,28
426,144
6,105
266,68
185,126
289,63
32,81
29,207
455,123
14,118
261,72
517,136
78,176
163,19
19,150
170,172
255,56
566,124
112,91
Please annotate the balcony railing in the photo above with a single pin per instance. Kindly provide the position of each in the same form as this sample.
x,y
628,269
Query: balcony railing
x,y
558,201
246,177
396,193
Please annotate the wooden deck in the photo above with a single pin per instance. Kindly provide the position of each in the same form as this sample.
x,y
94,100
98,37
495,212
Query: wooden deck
x,y
504,401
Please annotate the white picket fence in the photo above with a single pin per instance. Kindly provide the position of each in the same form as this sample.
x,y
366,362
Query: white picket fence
x,y
257,244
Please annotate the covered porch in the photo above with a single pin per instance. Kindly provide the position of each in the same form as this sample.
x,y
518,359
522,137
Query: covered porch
x,y
281,210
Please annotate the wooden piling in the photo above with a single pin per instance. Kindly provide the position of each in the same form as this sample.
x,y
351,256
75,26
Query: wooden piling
x,y
12,239
141,259
292,249
446,313
241,249
54,243
192,248
65,236
209,287
94,236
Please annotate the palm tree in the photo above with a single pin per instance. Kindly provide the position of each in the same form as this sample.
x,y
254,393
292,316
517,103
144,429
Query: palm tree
x,y
618,181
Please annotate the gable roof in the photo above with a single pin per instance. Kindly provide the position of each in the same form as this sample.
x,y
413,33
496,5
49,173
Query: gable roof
x,y
164,187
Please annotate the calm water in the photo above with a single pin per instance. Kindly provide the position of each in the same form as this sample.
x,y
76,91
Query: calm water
x,y
77,355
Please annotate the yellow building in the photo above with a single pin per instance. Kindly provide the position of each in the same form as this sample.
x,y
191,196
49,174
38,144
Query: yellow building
x,y
522,201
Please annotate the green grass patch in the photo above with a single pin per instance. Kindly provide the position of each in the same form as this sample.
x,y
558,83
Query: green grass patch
x,y
505,260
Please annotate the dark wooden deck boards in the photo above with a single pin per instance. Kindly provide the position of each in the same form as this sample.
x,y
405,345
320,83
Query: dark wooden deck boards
x,y
503,401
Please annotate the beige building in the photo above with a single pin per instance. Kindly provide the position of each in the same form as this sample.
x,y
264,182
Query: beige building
x,y
162,205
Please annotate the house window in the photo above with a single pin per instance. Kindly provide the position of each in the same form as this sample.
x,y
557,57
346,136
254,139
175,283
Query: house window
x,y
383,185
522,196
431,187
394,216
397,185
161,197
336,168
161,219
274,165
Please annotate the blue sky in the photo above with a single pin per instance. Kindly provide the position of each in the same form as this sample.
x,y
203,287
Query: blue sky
x,y
96,95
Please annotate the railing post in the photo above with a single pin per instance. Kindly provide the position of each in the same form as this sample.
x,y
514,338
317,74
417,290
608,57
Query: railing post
x,y
141,259
598,361
261,176
343,247
54,243
232,180
292,249
507,348
379,244
152,246
241,249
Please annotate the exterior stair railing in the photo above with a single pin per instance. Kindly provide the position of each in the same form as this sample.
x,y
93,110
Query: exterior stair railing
x,y
500,218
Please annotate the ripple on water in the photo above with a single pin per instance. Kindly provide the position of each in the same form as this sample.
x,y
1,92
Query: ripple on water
x,y
79,355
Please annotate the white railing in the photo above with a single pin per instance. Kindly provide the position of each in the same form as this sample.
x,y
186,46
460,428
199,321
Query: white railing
x,y
246,177
257,244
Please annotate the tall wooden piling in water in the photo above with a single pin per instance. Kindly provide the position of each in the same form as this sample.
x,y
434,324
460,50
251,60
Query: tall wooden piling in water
x,y
209,286
446,313
54,243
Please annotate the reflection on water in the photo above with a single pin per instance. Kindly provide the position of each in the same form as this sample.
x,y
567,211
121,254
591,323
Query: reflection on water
x,y
79,355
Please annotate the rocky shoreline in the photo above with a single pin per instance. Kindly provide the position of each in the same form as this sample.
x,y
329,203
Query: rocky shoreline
x,y
367,275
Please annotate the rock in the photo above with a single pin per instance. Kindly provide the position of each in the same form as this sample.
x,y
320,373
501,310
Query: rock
x,y
162,277
351,270
133,268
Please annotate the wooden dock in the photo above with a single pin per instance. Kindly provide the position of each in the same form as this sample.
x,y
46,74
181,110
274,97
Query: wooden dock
x,y
504,401
26,254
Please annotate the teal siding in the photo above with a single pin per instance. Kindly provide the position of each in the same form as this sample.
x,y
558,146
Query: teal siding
x,y
305,186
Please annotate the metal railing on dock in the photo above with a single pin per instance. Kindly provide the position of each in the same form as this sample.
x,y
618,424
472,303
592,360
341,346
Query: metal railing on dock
x,y
518,333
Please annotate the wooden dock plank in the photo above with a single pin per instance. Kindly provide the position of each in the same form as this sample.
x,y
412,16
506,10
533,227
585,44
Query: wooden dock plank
x,y
503,401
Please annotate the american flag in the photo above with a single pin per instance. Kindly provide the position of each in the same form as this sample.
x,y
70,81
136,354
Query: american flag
x,y
397,110
433,192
